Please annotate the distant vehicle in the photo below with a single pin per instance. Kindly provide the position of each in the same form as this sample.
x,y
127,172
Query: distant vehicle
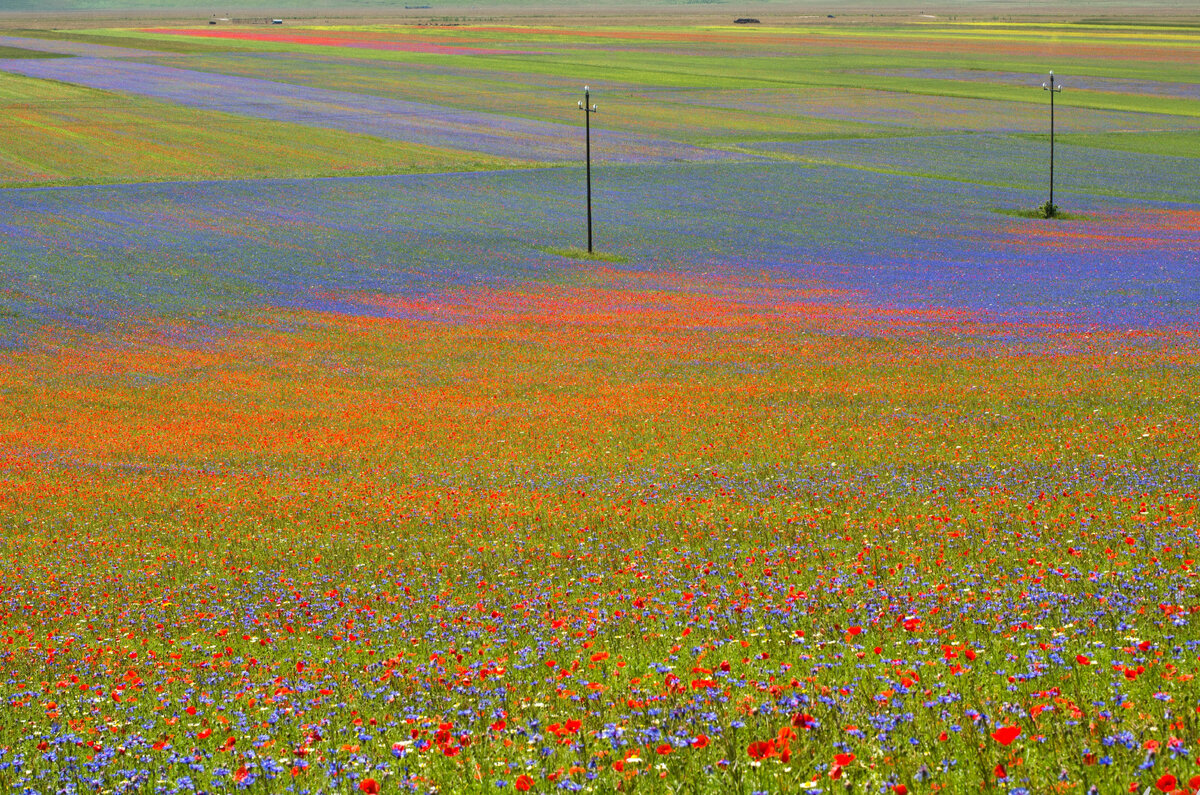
x,y
746,21
276,21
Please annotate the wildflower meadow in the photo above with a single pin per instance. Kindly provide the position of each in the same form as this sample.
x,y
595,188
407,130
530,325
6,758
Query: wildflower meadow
x,y
330,464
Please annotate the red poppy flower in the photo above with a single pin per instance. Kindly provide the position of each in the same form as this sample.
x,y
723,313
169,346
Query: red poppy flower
x,y
369,786
701,741
523,783
842,760
1006,734
1165,783
663,749
761,749
1000,772
900,789
1082,660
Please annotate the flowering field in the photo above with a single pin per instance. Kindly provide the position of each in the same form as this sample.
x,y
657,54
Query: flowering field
x,y
668,93
57,133
1004,160
838,474
418,123
526,524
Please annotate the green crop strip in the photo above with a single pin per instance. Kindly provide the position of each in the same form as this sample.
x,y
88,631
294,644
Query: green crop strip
x,y
18,52
54,133
1174,143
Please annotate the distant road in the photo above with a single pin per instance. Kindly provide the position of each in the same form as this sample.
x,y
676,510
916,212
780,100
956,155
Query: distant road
x,y
21,12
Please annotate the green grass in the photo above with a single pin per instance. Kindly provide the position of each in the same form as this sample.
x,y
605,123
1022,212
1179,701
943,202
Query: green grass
x,y
1038,214
140,41
19,52
1176,143
578,253
57,134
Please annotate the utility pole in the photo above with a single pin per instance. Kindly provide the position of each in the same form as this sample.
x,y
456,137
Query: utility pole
x,y
588,109
1053,88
